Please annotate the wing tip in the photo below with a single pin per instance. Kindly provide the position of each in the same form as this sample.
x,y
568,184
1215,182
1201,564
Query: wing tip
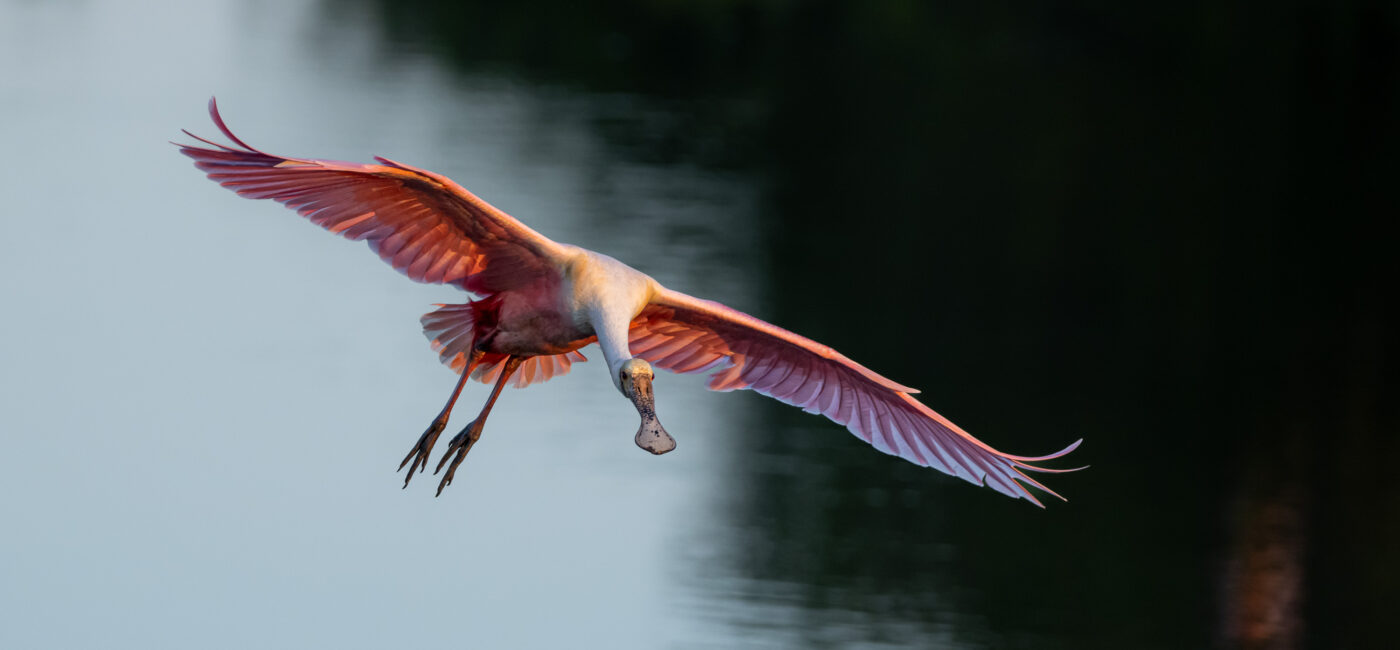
x,y
1032,459
219,122
195,151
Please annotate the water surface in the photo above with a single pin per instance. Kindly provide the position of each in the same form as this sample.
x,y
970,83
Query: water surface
x,y
1156,232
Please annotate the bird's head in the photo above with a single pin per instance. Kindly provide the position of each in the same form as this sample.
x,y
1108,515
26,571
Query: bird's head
x,y
634,380
634,377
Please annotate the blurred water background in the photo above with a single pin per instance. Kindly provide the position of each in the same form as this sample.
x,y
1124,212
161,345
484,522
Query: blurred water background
x,y
1166,230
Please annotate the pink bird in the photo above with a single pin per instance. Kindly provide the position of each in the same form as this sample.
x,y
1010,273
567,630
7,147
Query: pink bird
x,y
534,302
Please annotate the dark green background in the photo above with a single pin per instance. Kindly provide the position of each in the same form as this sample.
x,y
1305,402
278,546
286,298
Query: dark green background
x,y
1164,228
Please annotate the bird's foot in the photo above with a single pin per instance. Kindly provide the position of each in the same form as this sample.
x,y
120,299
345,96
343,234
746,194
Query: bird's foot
x,y
420,452
461,443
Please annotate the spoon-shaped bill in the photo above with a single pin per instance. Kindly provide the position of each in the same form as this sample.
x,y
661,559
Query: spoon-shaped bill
x,y
651,436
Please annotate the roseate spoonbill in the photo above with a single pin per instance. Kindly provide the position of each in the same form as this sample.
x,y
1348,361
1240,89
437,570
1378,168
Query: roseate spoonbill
x,y
534,302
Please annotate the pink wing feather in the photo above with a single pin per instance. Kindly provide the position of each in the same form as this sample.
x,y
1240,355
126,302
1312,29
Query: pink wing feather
x,y
684,334
423,224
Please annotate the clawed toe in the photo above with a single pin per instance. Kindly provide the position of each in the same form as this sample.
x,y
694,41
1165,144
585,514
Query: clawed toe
x,y
421,451
461,444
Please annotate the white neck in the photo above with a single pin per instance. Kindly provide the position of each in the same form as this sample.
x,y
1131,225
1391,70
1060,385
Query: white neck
x,y
612,338
611,294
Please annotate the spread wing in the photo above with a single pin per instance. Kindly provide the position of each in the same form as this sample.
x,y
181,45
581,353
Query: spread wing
x,y
423,224
684,334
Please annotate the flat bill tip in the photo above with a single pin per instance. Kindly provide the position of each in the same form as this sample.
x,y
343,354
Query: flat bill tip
x,y
653,438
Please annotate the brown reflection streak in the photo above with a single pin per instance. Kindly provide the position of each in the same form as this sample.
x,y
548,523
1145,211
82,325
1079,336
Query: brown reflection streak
x,y
1264,569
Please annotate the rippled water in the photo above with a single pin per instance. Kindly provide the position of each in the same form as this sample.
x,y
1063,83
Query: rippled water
x,y
206,398
1056,226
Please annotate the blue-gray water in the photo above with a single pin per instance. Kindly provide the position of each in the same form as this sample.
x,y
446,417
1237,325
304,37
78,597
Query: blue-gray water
x,y
1058,223
205,397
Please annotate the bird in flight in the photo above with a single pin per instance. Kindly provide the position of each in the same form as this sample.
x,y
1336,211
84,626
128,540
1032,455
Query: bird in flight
x,y
534,302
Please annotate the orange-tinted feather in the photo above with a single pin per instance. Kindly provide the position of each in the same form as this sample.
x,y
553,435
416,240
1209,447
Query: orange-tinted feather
x,y
684,334
423,224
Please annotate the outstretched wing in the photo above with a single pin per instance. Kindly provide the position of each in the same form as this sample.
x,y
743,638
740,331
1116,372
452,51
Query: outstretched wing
x,y
421,223
685,334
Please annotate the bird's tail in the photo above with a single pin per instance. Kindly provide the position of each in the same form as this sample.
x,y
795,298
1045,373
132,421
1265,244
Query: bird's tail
x,y
452,331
